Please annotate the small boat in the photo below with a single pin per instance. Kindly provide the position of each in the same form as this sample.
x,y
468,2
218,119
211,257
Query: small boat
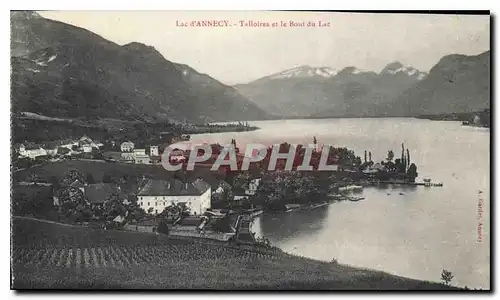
x,y
401,193
292,207
356,199
318,205
388,194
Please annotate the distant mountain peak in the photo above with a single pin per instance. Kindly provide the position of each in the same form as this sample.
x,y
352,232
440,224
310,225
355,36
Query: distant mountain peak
x,y
397,67
305,71
394,65
352,70
138,46
142,48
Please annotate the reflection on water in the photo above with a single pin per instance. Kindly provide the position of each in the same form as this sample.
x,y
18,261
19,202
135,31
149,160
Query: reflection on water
x,y
408,231
292,225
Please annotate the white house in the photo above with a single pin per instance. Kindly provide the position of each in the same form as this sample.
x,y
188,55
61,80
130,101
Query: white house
x,y
153,151
86,148
159,194
51,152
140,156
127,146
127,157
31,151
68,144
139,152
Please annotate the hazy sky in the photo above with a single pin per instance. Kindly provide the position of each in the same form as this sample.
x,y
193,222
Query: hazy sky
x,y
238,54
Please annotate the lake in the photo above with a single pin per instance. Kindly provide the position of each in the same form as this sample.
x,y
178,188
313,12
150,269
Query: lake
x,y
409,231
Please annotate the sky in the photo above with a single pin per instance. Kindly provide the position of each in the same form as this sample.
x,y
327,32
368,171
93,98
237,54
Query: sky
x,y
239,53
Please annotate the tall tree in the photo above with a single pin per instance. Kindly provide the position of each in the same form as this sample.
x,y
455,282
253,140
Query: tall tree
x,y
446,277
163,227
113,206
390,156
412,172
408,158
403,160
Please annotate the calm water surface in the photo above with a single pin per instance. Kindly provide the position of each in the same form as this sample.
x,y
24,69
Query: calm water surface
x,y
408,231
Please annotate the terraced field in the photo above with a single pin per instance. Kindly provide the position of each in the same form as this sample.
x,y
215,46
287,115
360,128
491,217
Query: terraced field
x,y
49,255
76,247
102,256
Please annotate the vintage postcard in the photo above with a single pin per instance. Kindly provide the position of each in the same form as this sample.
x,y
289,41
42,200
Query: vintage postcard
x,y
250,150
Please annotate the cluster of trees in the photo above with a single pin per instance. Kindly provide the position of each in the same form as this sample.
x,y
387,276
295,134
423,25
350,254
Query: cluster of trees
x,y
221,199
38,130
283,187
336,155
209,128
74,207
401,165
483,118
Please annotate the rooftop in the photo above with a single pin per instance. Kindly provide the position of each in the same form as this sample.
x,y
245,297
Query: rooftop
x,y
174,187
190,221
51,144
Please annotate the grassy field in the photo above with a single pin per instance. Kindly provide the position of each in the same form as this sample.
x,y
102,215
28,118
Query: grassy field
x,y
99,168
48,255
96,168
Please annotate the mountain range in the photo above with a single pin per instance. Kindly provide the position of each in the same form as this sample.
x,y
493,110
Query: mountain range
x,y
306,91
457,83
59,70
62,71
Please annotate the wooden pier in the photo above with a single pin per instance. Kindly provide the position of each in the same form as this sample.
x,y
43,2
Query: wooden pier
x,y
425,183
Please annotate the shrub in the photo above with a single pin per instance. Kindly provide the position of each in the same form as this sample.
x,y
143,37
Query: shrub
x,y
446,276
163,227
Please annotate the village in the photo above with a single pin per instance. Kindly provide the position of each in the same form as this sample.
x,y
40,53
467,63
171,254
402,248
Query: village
x,y
135,193
185,205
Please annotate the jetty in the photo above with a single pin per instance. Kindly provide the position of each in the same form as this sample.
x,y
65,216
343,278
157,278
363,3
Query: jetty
x,y
296,207
355,199
426,183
